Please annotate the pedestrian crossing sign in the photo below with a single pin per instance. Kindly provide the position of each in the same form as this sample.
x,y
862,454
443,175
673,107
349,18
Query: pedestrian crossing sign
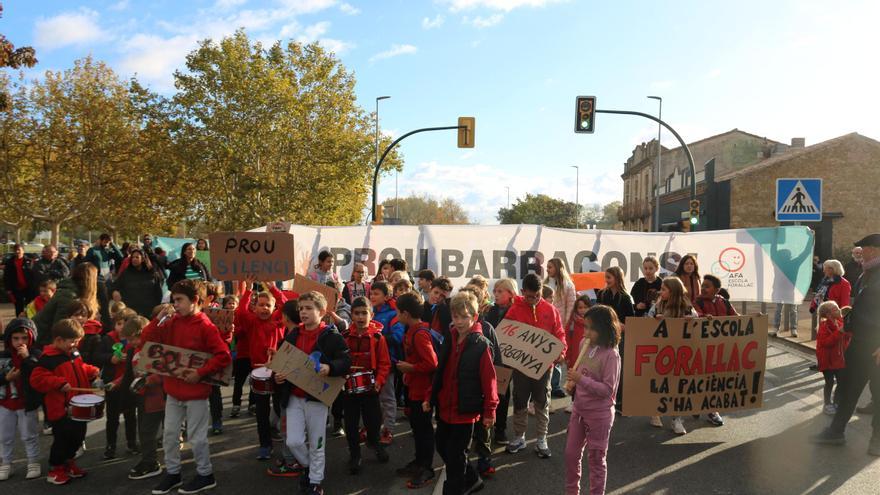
x,y
798,200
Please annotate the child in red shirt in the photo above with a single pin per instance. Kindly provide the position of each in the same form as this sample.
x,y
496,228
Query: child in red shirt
x,y
831,344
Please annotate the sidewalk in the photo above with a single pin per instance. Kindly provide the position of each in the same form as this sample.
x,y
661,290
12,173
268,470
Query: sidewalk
x,y
804,338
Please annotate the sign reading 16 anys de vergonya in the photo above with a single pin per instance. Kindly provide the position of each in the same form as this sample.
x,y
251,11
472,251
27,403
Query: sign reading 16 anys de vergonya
x,y
798,200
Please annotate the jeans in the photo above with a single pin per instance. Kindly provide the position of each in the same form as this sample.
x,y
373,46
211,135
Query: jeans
x,y
792,310
241,368
356,407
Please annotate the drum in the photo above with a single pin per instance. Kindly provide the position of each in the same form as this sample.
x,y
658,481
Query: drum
x,y
86,407
360,382
261,381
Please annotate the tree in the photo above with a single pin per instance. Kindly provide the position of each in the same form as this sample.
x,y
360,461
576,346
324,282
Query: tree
x,y
13,58
68,142
426,210
541,209
272,133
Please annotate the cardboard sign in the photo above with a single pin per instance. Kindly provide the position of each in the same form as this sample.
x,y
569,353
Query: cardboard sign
x,y
502,378
223,318
168,360
527,349
279,226
303,284
268,256
300,371
684,366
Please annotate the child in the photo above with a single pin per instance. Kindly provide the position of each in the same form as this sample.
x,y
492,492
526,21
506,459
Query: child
x,y
384,271
574,334
47,290
188,327
504,291
418,371
306,416
402,286
357,286
710,302
397,276
368,353
831,343
436,311
594,391
323,270
286,466
89,345
564,293
547,294
59,370
385,312
645,290
464,388
262,333
149,399
114,308
112,356
672,303
615,295
241,364
425,276
18,401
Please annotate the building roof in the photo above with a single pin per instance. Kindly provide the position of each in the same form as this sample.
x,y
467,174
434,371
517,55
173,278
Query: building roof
x,y
792,154
732,131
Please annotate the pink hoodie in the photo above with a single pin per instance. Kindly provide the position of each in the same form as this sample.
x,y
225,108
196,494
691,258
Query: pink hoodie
x,y
597,387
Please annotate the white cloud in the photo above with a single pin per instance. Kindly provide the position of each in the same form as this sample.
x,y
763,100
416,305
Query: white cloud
x,y
228,4
437,21
503,5
306,6
395,51
314,32
338,47
347,8
713,74
69,28
119,6
155,58
480,22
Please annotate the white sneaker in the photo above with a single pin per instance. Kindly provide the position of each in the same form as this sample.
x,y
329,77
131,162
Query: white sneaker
x,y
5,472
33,470
568,408
794,334
830,409
516,445
678,426
656,422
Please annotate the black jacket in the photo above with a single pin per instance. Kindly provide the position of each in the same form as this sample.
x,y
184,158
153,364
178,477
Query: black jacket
x,y
470,389
621,303
10,278
864,319
32,399
495,314
334,353
141,289
43,270
177,270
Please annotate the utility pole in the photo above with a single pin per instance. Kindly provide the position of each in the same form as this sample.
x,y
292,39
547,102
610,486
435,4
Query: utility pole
x,y
378,99
657,174
577,202
508,197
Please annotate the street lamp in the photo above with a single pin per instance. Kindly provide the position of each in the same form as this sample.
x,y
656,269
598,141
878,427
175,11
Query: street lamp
x,y
577,202
659,150
379,98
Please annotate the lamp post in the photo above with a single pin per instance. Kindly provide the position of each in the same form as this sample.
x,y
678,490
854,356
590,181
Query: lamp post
x,y
379,98
508,197
577,202
657,174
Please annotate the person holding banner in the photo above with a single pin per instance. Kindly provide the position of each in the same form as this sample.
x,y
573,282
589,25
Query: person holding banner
x,y
595,383
615,295
689,273
531,309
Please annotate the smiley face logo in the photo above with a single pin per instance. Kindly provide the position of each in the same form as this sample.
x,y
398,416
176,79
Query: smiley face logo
x,y
731,260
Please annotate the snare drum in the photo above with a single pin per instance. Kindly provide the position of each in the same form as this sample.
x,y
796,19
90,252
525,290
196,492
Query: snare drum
x,y
261,381
360,382
86,407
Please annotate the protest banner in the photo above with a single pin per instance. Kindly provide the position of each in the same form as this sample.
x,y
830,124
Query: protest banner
x,y
301,371
266,255
168,360
222,318
205,257
684,366
527,349
302,285
502,378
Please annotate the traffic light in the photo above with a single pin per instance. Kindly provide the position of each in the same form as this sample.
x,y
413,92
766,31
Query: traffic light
x,y
466,134
695,211
380,215
584,114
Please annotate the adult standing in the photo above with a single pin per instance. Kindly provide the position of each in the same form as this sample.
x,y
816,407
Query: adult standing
x,y
105,256
187,267
688,272
832,287
16,279
564,296
150,253
79,255
863,353
49,267
83,285
853,267
140,285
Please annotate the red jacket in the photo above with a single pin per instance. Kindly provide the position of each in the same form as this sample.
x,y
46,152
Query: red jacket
x,y
56,369
260,335
369,351
196,333
573,338
714,307
838,292
448,396
419,351
544,316
831,343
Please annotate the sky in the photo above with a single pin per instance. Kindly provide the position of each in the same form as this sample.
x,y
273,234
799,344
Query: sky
x,y
778,69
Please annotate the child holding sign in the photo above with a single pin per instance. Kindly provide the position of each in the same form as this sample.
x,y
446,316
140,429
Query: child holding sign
x,y
594,392
306,416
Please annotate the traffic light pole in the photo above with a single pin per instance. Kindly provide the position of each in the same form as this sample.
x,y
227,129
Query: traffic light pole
x,y
684,145
388,150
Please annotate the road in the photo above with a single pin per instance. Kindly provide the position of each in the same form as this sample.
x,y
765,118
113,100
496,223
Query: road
x,y
758,452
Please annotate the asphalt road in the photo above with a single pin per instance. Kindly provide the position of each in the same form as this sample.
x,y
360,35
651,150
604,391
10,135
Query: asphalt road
x,y
759,452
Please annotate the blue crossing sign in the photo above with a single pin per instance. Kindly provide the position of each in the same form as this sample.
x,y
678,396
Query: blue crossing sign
x,y
798,200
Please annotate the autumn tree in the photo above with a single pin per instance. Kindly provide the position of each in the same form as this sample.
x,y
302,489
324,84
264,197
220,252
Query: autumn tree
x,y
426,210
272,133
14,58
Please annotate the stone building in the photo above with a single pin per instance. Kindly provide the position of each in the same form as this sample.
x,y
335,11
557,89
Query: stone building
x,y
732,150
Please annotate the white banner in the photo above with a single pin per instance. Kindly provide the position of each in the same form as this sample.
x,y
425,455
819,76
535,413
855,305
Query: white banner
x,y
762,265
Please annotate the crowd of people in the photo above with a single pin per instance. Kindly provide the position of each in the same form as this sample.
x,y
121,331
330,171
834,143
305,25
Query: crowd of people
x,y
399,339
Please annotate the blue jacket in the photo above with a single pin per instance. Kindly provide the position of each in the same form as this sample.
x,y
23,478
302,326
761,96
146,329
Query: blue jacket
x,y
392,330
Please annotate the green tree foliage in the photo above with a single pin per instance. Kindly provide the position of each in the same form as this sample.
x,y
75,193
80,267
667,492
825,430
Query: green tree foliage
x,y
14,58
541,209
426,210
272,133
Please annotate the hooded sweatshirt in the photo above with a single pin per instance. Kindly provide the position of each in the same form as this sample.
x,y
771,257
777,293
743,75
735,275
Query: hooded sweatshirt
x,y
18,393
369,351
392,329
55,369
543,315
258,334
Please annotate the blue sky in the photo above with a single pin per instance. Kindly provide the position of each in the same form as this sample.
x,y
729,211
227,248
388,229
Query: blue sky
x,y
779,69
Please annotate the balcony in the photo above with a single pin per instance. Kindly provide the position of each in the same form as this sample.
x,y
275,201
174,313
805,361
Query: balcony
x,y
639,208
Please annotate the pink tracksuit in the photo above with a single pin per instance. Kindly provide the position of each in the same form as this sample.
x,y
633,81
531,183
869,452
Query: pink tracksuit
x,y
591,419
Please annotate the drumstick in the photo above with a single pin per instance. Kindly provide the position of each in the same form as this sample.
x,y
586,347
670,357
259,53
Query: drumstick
x,y
89,390
569,385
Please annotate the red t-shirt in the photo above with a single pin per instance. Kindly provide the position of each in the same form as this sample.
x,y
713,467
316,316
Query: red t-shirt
x,y
19,273
306,341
